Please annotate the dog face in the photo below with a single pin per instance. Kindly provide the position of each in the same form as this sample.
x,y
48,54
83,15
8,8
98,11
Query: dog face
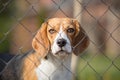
x,y
61,33
61,36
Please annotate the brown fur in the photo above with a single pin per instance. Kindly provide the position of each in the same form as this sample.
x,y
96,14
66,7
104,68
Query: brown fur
x,y
81,40
41,43
30,64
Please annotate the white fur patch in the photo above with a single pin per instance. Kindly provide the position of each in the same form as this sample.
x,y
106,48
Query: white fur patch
x,y
54,69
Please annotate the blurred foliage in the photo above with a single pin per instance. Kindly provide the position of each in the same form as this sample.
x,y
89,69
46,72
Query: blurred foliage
x,y
4,37
98,67
6,10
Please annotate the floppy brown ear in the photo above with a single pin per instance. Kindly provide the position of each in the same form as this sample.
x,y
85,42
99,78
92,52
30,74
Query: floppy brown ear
x,y
40,42
81,40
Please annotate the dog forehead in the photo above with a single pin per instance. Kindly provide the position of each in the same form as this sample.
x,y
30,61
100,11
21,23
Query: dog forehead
x,y
59,22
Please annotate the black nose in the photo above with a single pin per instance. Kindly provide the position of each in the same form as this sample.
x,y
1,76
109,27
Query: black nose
x,y
61,42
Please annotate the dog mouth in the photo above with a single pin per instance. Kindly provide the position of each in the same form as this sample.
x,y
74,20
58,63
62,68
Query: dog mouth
x,y
62,53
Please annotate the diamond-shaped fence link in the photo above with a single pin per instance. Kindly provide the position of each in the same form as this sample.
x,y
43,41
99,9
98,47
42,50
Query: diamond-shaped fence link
x,y
21,19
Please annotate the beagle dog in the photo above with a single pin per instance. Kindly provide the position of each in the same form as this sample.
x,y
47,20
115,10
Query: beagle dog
x,y
53,46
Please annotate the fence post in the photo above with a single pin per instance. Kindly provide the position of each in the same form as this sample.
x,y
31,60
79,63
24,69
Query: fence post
x,y
76,14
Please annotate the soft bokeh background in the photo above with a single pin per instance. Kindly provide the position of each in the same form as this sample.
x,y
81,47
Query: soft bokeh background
x,y
20,19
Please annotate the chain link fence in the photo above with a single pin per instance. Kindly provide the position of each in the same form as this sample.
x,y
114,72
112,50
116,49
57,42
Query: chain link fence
x,y
21,19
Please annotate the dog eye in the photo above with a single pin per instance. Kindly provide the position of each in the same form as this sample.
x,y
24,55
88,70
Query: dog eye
x,y
52,31
70,30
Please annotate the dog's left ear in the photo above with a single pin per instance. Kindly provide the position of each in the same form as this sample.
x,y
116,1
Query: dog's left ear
x,y
81,40
40,42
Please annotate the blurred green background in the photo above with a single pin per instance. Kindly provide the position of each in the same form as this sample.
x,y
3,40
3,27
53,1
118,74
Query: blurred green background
x,y
98,67
5,25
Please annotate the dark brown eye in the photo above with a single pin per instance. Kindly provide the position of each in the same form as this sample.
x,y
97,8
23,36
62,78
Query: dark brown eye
x,y
51,31
70,30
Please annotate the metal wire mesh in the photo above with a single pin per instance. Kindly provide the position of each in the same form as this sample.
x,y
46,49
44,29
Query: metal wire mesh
x,y
99,18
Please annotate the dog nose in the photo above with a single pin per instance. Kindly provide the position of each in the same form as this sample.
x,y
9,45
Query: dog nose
x,y
61,42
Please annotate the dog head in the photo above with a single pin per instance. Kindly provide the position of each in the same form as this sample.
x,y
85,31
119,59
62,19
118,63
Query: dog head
x,y
61,36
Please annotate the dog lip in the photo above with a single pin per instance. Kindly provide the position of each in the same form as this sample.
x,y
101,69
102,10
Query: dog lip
x,y
60,51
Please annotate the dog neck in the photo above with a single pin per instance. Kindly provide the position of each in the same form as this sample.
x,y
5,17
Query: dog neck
x,y
55,68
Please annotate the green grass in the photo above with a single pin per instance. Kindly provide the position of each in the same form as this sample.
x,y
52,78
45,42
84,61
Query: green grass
x,y
98,68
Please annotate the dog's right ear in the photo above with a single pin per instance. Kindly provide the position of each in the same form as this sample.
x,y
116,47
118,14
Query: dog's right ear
x,y
40,42
81,40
